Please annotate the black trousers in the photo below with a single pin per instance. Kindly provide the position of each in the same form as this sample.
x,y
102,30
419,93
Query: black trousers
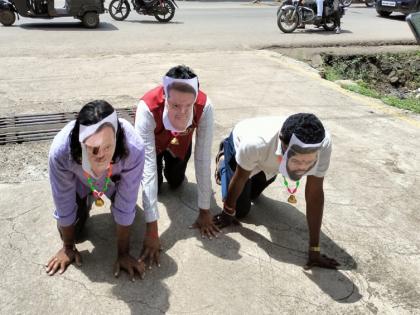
x,y
83,209
252,190
174,168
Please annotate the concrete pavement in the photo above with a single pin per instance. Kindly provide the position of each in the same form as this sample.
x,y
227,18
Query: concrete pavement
x,y
371,213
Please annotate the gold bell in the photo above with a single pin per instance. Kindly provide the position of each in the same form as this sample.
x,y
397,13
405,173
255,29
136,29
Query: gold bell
x,y
175,141
99,202
292,199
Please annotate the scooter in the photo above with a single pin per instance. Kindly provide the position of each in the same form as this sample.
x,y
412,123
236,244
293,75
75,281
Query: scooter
x,y
294,13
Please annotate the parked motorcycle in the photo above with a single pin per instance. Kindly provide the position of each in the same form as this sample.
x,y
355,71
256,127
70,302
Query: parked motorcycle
x,y
162,10
294,13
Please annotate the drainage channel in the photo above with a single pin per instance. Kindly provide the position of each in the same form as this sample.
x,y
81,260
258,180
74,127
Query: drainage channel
x,y
27,128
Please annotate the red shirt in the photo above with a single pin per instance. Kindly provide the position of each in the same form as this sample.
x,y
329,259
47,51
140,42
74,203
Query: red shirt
x,y
155,101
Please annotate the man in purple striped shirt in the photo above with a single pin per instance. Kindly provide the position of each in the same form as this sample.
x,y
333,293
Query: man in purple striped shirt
x,y
95,155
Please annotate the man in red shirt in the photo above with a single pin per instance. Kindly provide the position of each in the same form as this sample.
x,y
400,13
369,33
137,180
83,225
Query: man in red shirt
x,y
166,119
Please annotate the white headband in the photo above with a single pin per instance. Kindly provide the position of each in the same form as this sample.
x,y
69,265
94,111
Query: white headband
x,y
86,131
167,81
295,141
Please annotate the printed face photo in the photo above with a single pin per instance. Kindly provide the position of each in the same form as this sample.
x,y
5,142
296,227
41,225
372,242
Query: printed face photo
x,y
100,148
180,108
298,164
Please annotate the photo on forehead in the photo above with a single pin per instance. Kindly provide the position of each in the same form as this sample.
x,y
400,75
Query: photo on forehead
x,y
181,87
295,149
300,161
107,139
100,128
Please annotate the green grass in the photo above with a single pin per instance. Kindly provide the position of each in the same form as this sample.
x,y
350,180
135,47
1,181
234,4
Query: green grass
x,y
332,75
362,87
409,103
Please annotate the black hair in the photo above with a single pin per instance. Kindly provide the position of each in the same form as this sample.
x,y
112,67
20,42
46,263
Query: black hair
x,y
90,114
306,127
181,72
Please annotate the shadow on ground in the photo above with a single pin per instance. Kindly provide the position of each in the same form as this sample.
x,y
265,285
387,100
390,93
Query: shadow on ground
x,y
67,26
288,243
152,294
154,22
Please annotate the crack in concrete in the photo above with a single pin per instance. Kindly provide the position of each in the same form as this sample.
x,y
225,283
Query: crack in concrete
x,y
17,232
11,219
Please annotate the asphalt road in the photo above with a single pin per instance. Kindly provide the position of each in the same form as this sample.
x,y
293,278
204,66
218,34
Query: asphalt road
x,y
197,26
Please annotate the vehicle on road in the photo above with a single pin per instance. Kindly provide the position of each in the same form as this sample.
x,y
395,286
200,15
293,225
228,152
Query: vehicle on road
x,y
368,3
162,10
414,21
386,7
85,10
291,14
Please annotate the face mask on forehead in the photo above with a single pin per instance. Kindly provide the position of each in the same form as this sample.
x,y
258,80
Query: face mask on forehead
x,y
295,142
87,131
167,81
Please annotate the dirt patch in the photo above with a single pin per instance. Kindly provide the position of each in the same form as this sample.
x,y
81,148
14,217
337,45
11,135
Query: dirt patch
x,y
24,162
396,74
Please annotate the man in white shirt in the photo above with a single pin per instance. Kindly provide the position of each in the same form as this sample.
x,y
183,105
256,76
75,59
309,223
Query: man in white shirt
x,y
166,119
260,148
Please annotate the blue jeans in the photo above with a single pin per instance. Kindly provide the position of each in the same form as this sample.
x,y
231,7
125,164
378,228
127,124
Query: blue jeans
x,y
253,187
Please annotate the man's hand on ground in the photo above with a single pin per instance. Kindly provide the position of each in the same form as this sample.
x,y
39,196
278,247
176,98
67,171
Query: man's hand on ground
x,y
129,264
223,220
62,259
151,251
316,259
206,224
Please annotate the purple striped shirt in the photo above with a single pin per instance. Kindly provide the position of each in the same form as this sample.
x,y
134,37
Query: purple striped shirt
x,y
67,177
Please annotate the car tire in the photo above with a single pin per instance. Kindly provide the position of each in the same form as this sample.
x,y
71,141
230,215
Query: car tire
x,y
90,20
384,13
7,17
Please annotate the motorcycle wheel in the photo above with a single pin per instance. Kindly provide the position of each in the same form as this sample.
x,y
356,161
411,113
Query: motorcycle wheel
x,y
164,11
370,3
7,17
329,26
346,3
119,10
285,21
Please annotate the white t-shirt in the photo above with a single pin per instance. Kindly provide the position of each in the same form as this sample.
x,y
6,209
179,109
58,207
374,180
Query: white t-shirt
x,y
257,140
